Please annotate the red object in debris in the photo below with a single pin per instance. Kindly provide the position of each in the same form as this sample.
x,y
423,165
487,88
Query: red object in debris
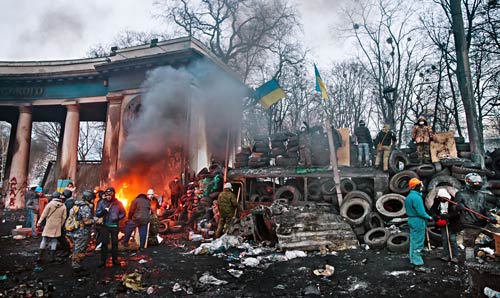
x,y
245,213
441,223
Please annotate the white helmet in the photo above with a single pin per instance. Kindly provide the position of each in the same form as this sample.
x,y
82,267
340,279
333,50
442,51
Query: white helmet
x,y
151,192
228,185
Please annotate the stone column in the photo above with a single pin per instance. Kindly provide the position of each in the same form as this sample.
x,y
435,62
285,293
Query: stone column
x,y
19,167
111,139
69,154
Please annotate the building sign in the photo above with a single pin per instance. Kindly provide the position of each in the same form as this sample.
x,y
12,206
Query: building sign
x,y
21,92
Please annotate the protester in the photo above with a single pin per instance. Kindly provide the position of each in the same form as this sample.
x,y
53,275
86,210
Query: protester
x,y
69,201
42,203
54,215
417,220
80,236
472,199
176,190
112,211
71,187
383,142
98,220
139,215
227,204
31,202
365,143
446,217
422,135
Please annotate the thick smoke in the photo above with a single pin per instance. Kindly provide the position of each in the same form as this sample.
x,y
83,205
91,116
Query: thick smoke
x,y
158,135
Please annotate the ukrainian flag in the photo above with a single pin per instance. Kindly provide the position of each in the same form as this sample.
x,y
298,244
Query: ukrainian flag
x,y
269,93
320,86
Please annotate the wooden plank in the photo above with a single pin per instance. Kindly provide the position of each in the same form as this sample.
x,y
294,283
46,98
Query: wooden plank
x,y
344,152
443,146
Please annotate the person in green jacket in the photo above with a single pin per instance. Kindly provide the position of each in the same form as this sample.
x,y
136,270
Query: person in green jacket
x,y
228,204
417,220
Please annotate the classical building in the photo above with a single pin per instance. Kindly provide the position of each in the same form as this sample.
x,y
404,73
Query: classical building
x,y
193,101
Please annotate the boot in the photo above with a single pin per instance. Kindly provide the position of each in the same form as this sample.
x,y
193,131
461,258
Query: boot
x,y
51,256
41,256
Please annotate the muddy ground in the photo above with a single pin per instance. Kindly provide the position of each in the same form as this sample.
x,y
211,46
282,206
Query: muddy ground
x,y
358,273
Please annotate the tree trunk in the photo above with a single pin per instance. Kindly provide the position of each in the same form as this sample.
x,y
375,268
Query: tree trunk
x,y
465,82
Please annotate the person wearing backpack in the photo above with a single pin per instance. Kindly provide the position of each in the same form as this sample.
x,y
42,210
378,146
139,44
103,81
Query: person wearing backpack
x,y
112,211
78,226
54,215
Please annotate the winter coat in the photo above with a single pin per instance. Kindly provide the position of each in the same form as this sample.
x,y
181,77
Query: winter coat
x,y
227,203
422,133
414,205
386,140
363,135
114,215
69,203
473,200
140,210
452,216
54,214
176,188
84,215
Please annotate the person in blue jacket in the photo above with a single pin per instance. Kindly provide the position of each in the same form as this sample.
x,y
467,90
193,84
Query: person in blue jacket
x,y
112,211
417,220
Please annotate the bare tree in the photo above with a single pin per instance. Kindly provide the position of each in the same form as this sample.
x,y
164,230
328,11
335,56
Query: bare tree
x,y
90,141
4,147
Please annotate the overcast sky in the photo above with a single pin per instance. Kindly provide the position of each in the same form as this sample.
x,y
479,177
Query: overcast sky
x,y
66,29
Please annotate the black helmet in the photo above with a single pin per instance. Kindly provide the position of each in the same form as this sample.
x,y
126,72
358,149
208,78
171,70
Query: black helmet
x,y
362,122
55,195
67,193
88,195
473,181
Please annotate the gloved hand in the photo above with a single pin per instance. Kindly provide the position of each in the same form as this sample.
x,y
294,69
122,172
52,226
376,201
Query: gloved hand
x,y
441,223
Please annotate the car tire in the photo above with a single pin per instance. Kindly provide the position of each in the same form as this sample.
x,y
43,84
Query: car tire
x,y
399,182
376,238
398,161
444,181
426,170
328,187
359,195
391,205
288,192
355,211
347,185
374,220
399,242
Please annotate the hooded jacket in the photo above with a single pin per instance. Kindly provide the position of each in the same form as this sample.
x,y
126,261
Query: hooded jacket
x,y
54,214
422,133
362,134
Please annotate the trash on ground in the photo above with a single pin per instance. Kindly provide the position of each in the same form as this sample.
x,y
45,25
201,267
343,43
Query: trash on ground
x,y
328,271
487,250
489,292
150,290
142,261
3,277
208,279
218,245
132,281
235,273
398,273
250,262
311,290
160,239
292,254
177,287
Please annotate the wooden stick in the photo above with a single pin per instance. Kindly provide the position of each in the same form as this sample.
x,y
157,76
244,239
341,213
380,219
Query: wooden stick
x,y
468,209
428,239
449,244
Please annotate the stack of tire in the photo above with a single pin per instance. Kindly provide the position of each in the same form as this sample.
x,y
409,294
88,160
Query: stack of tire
x,y
368,219
241,158
319,149
260,153
292,149
280,152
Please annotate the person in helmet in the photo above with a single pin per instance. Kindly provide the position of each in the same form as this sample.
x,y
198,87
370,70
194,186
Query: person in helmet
x,y
417,221
112,211
227,204
446,217
472,198
422,135
80,236
365,143
69,201
383,143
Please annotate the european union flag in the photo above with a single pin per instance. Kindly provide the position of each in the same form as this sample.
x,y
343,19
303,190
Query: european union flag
x,y
269,93
320,86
